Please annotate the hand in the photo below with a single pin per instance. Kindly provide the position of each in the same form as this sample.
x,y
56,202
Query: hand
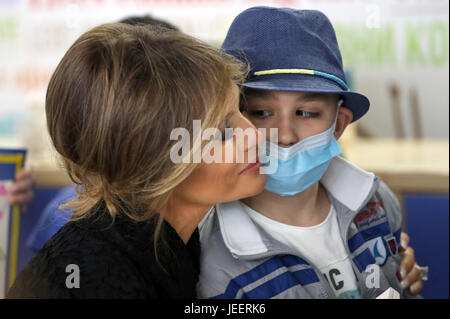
x,y
408,273
21,192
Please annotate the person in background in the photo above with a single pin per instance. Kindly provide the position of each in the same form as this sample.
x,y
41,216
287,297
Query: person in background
x,y
148,20
112,105
320,221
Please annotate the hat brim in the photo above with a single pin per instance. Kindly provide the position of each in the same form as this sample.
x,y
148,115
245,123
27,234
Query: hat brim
x,y
356,102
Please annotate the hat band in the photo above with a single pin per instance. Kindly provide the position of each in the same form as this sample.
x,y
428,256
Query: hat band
x,y
303,71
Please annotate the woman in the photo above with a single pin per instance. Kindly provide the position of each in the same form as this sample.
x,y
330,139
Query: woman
x,y
111,106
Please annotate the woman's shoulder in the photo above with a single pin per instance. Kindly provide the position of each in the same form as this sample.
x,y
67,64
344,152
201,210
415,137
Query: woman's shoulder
x,y
83,259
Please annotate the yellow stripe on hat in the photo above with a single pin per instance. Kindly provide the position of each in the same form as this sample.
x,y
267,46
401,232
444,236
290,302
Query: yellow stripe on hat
x,y
331,77
279,71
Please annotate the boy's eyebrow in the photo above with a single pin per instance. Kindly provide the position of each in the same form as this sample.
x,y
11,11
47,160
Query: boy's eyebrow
x,y
269,95
312,97
259,94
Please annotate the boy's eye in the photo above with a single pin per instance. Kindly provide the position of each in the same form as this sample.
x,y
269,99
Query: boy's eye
x,y
306,114
259,113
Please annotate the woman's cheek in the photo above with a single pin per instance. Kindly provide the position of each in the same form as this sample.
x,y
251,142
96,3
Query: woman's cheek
x,y
220,175
226,173
229,151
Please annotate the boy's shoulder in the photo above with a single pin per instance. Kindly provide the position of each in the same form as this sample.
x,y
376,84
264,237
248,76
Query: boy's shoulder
x,y
353,185
391,206
361,191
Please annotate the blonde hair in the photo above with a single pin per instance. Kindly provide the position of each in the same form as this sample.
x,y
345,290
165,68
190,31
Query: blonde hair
x,y
111,105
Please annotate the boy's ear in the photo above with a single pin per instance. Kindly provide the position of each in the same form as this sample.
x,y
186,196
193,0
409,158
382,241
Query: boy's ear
x,y
345,117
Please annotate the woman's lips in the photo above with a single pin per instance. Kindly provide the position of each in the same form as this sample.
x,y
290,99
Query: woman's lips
x,y
253,167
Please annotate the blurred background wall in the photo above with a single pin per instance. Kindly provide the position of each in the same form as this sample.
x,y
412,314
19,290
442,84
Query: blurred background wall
x,y
396,52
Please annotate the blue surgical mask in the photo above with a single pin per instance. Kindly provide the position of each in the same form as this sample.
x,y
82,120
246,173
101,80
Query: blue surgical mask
x,y
300,166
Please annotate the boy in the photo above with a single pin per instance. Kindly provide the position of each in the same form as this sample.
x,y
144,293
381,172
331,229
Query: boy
x,y
322,228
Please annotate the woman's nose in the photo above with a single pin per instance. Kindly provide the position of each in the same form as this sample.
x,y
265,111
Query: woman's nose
x,y
248,143
252,137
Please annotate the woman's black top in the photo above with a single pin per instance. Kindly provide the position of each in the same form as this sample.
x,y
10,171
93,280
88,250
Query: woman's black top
x,y
115,260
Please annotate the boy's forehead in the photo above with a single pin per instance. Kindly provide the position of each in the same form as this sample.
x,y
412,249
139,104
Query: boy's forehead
x,y
275,95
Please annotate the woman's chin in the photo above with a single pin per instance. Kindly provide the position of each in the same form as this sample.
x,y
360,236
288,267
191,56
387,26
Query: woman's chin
x,y
256,186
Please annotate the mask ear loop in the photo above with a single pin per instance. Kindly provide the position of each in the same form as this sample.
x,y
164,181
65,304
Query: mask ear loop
x,y
339,104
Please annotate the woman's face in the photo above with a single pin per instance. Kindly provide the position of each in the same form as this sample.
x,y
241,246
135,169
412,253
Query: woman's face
x,y
237,175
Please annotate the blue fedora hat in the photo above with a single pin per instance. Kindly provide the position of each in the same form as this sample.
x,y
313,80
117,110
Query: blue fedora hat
x,y
291,50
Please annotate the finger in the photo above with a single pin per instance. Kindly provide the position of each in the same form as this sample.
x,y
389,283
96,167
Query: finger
x,y
404,241
24,174
416,287
408,251
407,263
412,277
21,186
21,198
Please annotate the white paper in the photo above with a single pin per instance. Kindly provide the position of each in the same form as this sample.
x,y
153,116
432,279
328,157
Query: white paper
x,y
390,293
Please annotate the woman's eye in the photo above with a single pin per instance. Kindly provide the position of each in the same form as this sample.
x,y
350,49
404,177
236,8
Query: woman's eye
x,y
259,113
227,133
306,114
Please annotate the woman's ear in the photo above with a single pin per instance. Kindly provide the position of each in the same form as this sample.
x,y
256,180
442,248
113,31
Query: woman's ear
x,y
345,117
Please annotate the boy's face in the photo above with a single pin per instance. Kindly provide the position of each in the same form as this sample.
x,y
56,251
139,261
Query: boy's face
x,y
297,115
